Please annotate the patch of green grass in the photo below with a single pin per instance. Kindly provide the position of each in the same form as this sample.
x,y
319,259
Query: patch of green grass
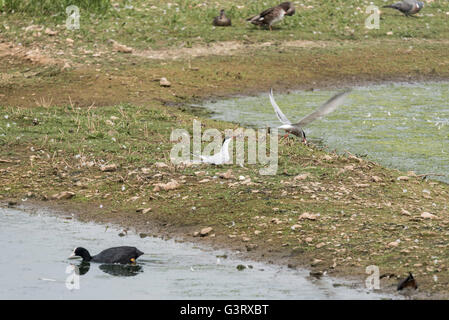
x,y
118,130
54,7
156,24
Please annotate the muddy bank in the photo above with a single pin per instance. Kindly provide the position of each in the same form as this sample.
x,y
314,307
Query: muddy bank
x,y
135,79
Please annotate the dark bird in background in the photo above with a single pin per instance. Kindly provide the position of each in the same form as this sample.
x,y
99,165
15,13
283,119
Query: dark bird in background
x,y
407,7
221,20
273,15
122,255
408,282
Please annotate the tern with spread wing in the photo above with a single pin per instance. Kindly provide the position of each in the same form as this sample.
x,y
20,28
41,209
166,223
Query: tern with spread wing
x,y
296,128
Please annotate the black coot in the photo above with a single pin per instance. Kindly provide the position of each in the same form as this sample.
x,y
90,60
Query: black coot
x,y
123,255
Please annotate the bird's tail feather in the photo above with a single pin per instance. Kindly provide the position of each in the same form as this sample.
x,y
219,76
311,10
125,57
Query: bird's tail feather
x,y
253,19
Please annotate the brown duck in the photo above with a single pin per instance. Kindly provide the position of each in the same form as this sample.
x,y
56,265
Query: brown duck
x,y
273,15
221,20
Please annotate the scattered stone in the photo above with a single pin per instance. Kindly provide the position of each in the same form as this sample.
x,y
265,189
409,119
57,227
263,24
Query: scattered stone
x,y
196,234
405,212
65,67
309,216
205,231
308,239
144,210
361,185
163,82
403,178
50,32
247,182
246,239
160,165
226,175
295,226
276,221
173,184
120,47
241,267
146,170
412,174
320,245
109,168
316,262
256,232
65,195
427,215
34,28
352,157
300,177
143,235
394,244
376,179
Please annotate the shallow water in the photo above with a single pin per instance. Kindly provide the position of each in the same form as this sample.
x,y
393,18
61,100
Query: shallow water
x,y
403,126
35,247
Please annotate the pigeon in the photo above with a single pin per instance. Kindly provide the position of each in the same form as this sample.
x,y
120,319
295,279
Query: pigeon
x,y
408,282
273,15
296,128
221,157
221,20
407,7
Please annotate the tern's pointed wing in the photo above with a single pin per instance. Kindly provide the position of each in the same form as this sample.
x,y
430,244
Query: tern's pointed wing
x,y
326,108
282,118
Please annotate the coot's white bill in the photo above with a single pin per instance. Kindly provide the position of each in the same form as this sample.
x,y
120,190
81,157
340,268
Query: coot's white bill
x,y
73,256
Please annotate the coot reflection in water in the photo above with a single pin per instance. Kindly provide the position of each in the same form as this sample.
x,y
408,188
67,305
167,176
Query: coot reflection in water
x,y
121,270
118,270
